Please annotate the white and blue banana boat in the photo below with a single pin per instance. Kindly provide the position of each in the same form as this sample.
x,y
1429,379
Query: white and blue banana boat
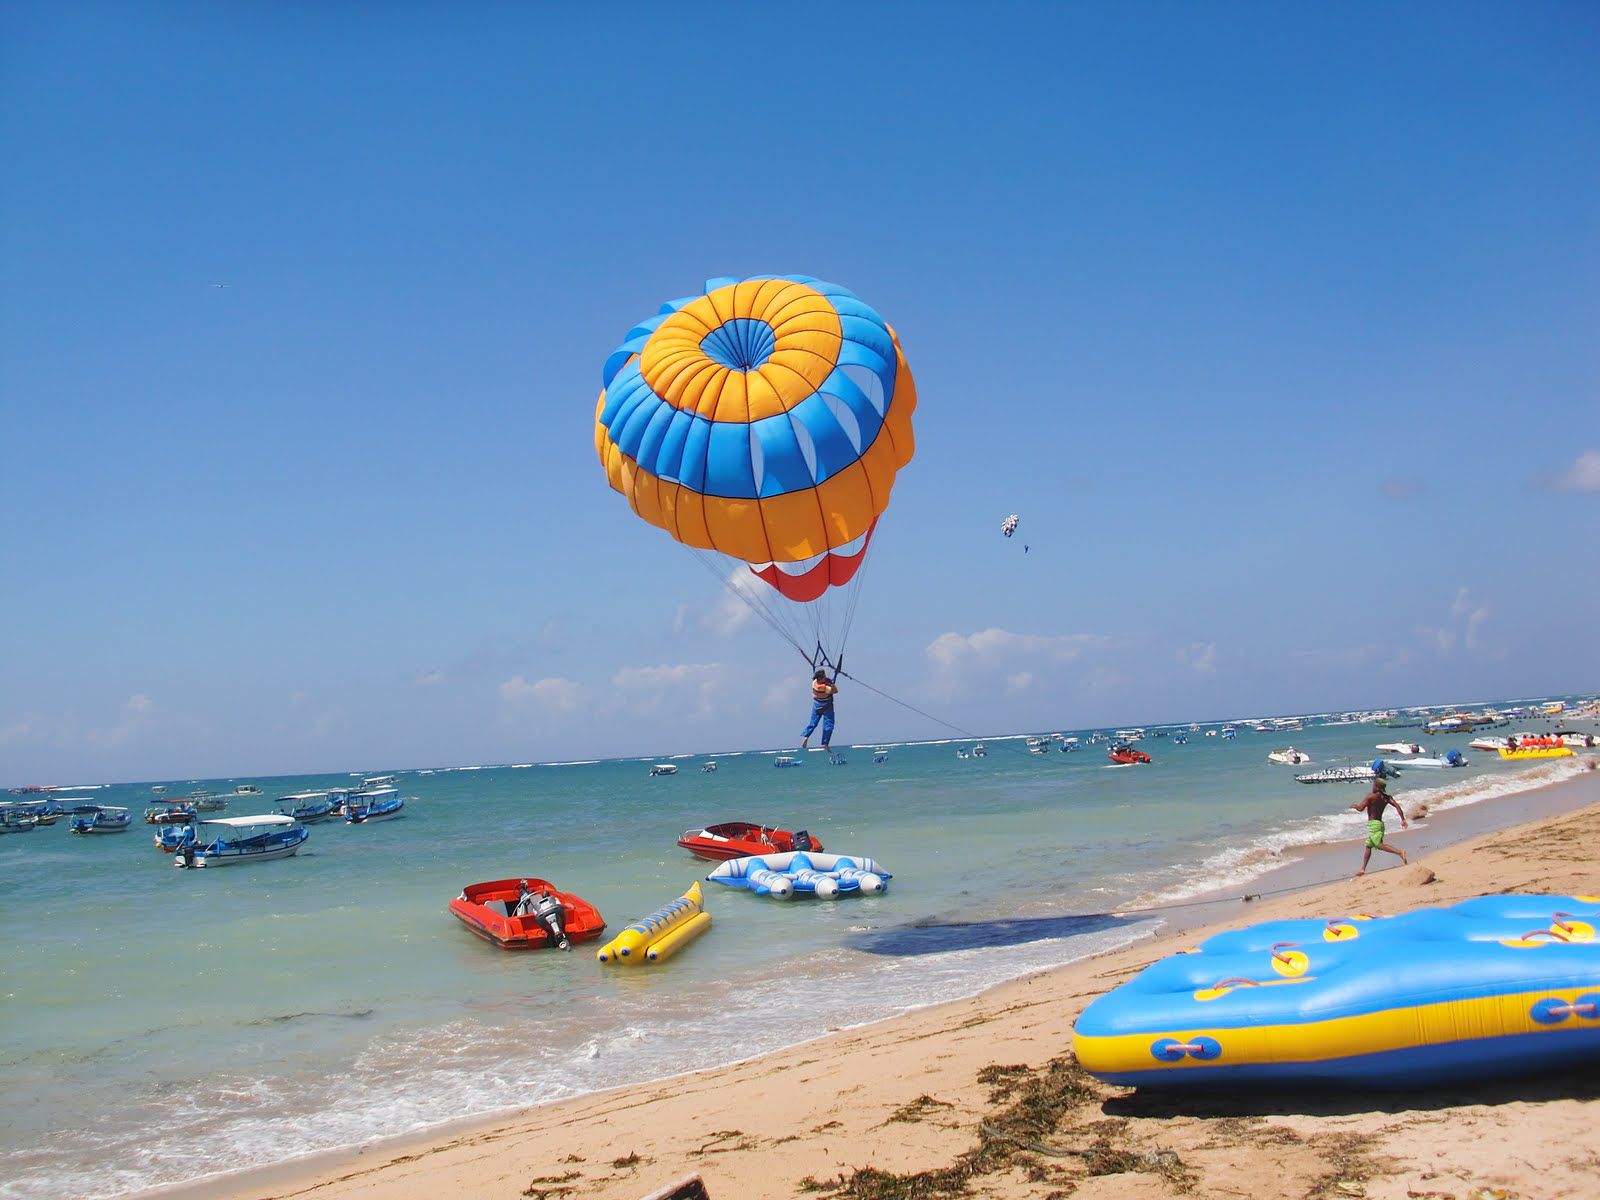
x,y
803,872
1493,986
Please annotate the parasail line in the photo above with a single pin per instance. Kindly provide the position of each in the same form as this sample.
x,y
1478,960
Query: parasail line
x,y
912,707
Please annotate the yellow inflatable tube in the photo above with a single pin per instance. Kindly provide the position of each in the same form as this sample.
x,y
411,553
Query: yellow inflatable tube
x,y
679,938
632,944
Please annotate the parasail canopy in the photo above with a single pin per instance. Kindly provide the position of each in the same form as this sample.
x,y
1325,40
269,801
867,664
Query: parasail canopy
x,y
765,420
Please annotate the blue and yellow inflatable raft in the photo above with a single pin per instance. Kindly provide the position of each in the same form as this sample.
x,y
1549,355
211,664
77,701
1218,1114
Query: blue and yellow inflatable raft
x,y
1493,986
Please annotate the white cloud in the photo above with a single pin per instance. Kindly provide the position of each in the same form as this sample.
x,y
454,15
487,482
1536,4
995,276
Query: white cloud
x,y
1582,476
133,718
733,609
685,689
1464,629
1199,657
429,678
997,660
553,694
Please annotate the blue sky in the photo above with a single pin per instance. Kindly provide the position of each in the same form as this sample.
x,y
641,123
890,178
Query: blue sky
x,y
1276,326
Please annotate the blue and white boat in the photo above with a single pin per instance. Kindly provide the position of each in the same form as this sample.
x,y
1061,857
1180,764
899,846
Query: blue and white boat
x,y
228,841
785,760
14,819
306,807
92,818
379,804
170,839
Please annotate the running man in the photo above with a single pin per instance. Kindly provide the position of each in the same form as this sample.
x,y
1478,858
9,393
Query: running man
x,y
823,691
1375,803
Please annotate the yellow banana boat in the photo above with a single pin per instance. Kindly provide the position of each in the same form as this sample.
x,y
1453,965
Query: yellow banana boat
x,y
659,935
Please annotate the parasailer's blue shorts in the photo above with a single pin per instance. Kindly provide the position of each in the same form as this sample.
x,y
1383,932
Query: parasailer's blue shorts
x,y
821,711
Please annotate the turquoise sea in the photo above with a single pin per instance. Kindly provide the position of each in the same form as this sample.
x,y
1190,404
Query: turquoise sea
x,y
160,1026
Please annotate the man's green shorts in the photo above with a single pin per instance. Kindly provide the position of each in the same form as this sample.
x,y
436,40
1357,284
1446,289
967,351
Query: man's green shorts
x,y
1374,834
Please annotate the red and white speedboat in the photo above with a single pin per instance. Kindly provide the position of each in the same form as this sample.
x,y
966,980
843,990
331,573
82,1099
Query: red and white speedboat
x,y
514,914
1125,756
741,839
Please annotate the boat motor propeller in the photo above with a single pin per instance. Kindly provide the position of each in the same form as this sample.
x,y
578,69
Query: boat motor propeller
x,y
548,912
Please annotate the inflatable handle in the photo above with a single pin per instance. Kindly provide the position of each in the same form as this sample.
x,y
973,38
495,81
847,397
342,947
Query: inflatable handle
x,y
1549,933
1567,1010
1559,920
1237,982
1285,959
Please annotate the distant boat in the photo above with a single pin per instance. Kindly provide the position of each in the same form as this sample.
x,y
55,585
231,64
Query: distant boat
x,y
1289,756
1361,774
664,769
14,819
980,751
378,804
880,755
837,760
1400,747
229,841
785,760
379,781
247,789
100,820
708,768
306,807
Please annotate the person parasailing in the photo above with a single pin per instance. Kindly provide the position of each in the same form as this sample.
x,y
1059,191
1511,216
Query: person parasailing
x,y
762,424
823,690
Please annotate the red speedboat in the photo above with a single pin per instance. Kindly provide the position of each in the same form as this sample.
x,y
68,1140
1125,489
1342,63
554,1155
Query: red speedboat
x,y
1126,755
517,914
740,839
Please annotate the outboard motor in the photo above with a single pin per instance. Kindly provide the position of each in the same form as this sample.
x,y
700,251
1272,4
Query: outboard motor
x,y
802,840
548,912
1453,758
1379,769
186,854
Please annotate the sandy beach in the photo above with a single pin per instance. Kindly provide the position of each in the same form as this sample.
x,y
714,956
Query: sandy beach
x,y
981,1096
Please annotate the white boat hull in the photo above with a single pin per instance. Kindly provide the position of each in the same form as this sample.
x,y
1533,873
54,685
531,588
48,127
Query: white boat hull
x,y
229,860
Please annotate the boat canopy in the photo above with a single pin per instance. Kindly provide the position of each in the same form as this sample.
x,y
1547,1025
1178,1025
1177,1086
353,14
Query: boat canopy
x,y
240,822
304,796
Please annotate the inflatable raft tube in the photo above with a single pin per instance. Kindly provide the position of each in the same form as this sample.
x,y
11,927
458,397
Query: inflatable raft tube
x,y
826,876
1497,985
634,944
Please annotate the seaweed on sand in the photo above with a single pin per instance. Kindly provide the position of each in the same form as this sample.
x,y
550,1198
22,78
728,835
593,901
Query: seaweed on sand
x,y
1040,1103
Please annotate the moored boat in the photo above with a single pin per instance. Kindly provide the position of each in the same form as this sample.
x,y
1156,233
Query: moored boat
x,y
379,804
228,841
512,914
169,814
785,760
306,807
1364,773
1124,755
1288,756
740,839
16,820
1451,759
1399,747
170,839
93,818
664,769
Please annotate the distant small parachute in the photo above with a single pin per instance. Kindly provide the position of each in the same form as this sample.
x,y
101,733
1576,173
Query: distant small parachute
x,y
1009,525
